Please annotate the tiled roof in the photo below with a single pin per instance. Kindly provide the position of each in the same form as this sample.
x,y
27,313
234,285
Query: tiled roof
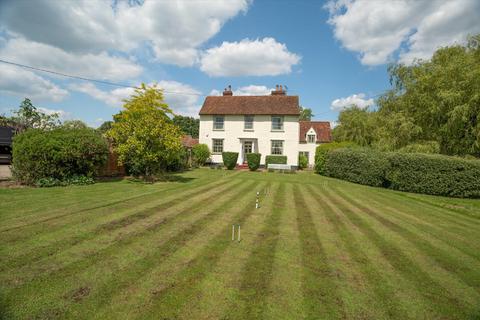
x,y
238,105
322,129
188,141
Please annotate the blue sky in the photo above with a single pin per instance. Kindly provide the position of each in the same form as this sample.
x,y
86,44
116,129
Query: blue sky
x,y
332,54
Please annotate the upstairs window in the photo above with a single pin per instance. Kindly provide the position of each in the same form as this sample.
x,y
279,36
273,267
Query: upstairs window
x,y
311,138
277,123
217,146
248,123
277,147
218,122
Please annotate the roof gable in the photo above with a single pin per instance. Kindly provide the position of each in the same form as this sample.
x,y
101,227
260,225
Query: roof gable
x,y
321,128
260,105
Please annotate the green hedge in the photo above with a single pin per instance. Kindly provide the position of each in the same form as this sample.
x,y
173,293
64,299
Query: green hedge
x,y
275,159
322,150
230,159
364,166
58,154
434,174
302,162
253,160
201,153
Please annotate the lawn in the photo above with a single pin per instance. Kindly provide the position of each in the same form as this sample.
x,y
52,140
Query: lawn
x,y
317,248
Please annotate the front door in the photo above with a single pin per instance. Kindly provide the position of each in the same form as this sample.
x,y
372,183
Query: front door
x,y
247,148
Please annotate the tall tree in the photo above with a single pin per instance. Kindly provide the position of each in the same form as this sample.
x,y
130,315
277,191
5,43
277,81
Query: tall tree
x,y
144,136
28,117
306,114
356,125
188,125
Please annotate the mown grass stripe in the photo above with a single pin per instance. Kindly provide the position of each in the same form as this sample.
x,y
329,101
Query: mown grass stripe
x,y
142,266
58,246
108,282
469,276
445,303
257,271
321,296
168,301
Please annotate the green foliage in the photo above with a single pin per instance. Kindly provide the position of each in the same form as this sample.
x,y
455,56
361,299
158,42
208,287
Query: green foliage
x,y
322,150
275,159
201,153
302,162
425,147
360,165
58,154
188,125
253,160
74,124
230,159
306,114
29,117
74,180
431,100
104,127
434,174
145,138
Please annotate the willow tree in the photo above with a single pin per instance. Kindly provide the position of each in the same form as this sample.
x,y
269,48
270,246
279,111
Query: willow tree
x,y
143,134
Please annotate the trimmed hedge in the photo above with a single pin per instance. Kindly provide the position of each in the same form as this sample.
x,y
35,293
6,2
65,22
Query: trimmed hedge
x,y
364,166
230,159
412,172
275,159
253,160
322,150
434,174
302,162
201,153
58,154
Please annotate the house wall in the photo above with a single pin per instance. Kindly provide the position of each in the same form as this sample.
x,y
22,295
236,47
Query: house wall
x,y
310,148
234,131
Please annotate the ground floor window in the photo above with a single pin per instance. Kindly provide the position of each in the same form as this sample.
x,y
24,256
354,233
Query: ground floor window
x,y
306,154
217,145
277,147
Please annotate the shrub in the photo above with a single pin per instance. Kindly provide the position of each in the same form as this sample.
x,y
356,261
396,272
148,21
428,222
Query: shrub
x,y
322,150
201,153
74,180
434,174
274,159
364,166
230,159
425,147
253,160
302,161
58,154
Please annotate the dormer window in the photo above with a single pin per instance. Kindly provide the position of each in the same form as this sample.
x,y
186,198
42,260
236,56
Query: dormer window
x,y
218,122
311,138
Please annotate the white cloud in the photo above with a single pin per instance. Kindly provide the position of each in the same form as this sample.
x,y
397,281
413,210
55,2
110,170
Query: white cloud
x,y
23,83
174,29
377,30
264,57
355,99
99,66
62,114
251,90
182,98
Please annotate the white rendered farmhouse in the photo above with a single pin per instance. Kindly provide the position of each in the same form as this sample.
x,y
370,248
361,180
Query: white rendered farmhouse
x,y
262,124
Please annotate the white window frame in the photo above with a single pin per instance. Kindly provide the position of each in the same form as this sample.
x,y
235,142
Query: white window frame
x,y
275,149
313,136
281,128
214,146
216,123
250,121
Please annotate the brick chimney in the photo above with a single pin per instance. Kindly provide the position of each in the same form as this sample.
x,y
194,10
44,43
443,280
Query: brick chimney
x,y
228,91
279,91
